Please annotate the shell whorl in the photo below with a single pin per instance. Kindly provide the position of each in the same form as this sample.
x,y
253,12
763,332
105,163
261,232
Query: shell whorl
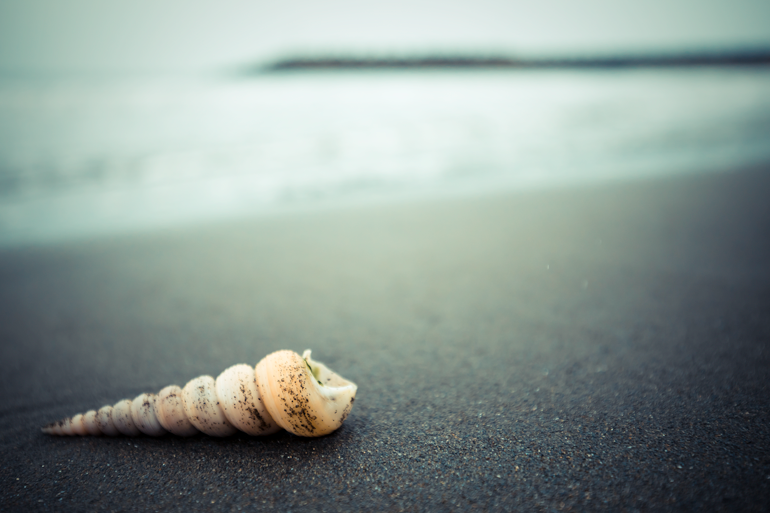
x,y
284,390
303,396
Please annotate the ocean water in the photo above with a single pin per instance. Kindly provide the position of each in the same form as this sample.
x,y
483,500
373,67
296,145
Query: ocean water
x,y
80,157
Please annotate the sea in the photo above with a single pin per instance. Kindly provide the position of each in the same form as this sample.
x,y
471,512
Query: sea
x,y
87,156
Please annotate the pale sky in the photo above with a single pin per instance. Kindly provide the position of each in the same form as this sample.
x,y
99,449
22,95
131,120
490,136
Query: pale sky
x,y
171,35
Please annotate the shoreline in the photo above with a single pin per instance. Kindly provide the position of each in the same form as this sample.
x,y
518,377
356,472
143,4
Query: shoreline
x,y
75,224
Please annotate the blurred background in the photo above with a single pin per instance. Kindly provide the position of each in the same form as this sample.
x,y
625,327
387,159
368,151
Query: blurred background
x,y
131,116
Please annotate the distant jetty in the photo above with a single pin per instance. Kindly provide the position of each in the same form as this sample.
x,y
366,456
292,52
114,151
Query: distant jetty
x,y
753,58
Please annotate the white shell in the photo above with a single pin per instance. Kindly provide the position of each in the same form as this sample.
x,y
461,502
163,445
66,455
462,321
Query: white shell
x,y
77,425
241,402
170,412
285,390
143,414
104,421
202,407
121,417
66,429
89,420
303,396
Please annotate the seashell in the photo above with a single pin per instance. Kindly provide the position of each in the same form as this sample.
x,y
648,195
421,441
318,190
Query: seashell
x,y
303,396
284,390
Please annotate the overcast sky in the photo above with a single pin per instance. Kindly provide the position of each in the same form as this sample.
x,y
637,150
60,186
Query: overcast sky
x,y
147,35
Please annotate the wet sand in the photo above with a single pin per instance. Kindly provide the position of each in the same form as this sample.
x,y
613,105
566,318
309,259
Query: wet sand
x,y
593,348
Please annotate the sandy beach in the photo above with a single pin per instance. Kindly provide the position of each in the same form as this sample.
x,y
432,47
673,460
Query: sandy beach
x,y
602,347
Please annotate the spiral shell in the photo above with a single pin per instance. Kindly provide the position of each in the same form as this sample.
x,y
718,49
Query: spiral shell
x,y
285,390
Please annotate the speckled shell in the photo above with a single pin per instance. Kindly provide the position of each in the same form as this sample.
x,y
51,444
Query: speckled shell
x,y
203,409
171,412
285,390
303,396
242,403
144,416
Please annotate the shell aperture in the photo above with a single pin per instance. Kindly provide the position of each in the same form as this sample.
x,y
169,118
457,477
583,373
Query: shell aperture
x,y
284,390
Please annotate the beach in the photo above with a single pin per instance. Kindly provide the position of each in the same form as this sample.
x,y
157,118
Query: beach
x,y
589,347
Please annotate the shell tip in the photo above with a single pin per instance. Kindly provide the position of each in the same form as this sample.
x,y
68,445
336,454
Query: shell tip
x,y
306,354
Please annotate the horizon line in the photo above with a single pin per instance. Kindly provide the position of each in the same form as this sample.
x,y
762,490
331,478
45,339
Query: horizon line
x,y
759,57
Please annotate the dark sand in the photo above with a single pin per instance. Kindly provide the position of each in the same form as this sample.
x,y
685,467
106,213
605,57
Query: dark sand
x,y
596,348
